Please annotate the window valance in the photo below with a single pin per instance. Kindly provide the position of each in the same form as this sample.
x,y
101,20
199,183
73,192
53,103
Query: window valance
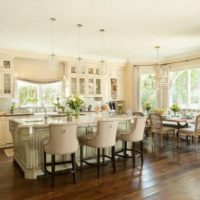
x,y
38,71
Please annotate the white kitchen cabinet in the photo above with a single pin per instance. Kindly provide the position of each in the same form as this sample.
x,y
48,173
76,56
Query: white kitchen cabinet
x,y
7,133
1,131
87,84
6,77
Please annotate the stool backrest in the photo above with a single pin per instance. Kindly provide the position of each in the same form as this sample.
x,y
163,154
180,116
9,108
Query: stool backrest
x,y
106,133
138,114
137,131
63,139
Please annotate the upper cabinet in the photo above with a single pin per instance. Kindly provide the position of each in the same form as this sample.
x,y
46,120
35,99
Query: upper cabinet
x,y
85,81
6,76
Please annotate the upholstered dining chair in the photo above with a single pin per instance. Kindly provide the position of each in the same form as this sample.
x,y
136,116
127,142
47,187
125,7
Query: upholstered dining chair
x,y
157,127
134,135
104,137
192,130
63,140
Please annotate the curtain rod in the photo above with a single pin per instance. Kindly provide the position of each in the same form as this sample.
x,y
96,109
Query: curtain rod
x,y
169,63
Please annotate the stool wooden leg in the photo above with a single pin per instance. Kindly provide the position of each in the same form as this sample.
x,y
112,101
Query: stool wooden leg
x,y
103,153
113,159
133,153
98,162
125,148
52,170
73,159
45,163
81,157
141,151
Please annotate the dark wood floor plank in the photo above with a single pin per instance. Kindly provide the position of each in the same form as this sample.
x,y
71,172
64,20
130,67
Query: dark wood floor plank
x,y
167,173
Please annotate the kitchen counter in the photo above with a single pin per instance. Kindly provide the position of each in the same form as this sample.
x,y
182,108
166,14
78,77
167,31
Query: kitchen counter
x,y
29,133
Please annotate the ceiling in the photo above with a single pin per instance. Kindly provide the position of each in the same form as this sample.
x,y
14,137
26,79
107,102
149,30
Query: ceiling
x,y
133,27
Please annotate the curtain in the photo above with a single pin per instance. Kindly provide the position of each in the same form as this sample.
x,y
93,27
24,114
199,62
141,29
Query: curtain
x,y
38,71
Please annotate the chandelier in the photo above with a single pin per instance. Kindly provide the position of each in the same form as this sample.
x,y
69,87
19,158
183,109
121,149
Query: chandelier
x,y
161,79
52,58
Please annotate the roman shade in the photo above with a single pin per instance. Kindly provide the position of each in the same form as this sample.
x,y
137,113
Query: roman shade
x,y
38,71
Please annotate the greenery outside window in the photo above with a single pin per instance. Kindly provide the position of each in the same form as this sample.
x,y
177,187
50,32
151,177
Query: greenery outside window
x,y
33,94
147,95
185,89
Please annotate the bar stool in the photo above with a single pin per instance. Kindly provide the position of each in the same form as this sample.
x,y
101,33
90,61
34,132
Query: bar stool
x,y
63,140
104,137
134,135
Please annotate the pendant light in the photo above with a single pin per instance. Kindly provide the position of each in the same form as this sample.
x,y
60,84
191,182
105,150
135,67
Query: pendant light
x,y
79,66
52,58
161,80
102,67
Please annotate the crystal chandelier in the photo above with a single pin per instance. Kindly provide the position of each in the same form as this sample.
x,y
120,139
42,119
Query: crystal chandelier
x,y
102,67
52,58
162,79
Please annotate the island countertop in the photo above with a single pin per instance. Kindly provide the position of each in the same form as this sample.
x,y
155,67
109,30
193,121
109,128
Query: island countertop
x,y
81,121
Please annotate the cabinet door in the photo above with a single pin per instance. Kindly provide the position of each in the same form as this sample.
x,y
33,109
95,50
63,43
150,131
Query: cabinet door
x,y
6,84
5,64
8,136
113,82
98,86
91,86
1,131
82,86
74,86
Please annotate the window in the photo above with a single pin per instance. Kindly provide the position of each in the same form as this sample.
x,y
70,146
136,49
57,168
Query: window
x,y
185,89
35,94
147,95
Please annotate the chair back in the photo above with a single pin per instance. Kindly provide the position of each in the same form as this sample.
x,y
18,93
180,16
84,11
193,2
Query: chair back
x,y
106,133
63,139
197,124
138,114
137,132
156,121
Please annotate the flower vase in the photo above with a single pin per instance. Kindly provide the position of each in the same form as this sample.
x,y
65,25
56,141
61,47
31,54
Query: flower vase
x,y
77,113
175,114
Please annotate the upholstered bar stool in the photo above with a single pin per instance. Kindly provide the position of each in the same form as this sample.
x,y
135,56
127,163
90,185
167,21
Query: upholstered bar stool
x,y
134,135
103,138
63,140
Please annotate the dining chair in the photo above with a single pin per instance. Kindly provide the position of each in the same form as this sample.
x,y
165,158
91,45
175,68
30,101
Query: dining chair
x,y
105,137
134,135
62,141
193,130
157,127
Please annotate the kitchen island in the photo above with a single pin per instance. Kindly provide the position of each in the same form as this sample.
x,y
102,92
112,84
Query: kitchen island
x,y
30,132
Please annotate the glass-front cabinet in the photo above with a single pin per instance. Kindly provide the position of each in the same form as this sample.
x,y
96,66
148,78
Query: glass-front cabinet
x,y
6,77
113,83
87,82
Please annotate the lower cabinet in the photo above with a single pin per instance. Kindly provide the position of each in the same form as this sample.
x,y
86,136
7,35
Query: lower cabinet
x,y
8,136
5,135
1,131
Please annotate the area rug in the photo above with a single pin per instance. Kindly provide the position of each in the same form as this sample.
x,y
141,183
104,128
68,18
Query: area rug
x,y
9,152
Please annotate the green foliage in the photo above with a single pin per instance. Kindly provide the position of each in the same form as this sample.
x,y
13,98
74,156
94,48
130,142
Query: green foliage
x,y
147,106
175,108
75,102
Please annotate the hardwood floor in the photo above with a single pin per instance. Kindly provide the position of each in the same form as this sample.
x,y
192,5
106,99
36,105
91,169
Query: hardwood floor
x,y
168,173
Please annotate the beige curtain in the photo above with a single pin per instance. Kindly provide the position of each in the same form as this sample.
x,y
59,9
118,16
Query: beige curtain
x,y
38,71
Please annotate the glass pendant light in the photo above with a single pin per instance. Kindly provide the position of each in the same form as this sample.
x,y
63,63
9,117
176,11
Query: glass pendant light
x,y
52,58
79,66
102,67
